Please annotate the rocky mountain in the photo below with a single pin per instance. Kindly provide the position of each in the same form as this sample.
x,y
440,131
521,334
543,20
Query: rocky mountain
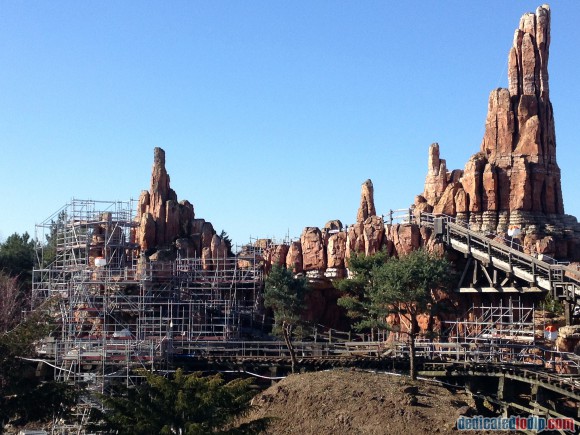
x,y
167,227
514,179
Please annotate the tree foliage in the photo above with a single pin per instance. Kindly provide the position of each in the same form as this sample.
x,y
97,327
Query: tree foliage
x,y
402,286
49,247
405,285
17,257
182,404
21,391
285,295
355,297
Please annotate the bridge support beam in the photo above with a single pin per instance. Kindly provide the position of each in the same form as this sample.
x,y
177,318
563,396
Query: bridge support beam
x,y
568,312
538,399
505,389
273,369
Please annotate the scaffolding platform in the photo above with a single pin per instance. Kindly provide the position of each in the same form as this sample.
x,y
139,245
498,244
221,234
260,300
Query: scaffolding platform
x,y
118,311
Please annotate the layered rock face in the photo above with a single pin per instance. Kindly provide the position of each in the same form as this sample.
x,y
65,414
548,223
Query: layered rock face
x,y
165,223
323,254
514,179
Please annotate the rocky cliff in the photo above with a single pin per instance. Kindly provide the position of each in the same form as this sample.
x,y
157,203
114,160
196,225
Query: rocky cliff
x,y
166,225
322,254
514,179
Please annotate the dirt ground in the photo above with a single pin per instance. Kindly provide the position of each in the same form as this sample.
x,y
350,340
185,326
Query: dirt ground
x,y
356,402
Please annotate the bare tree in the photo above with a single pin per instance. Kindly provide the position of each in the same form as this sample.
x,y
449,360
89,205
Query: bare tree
x,y
12,302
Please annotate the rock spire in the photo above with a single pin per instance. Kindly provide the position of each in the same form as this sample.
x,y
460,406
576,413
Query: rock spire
x,y
367,202
514,179
166,224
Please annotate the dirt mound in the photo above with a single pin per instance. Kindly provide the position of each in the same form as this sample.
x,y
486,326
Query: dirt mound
x,y
354,402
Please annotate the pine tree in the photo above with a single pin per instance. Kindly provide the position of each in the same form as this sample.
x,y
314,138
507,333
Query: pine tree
x,y
285,295
355,297
17,257
25,398
404,286
181,404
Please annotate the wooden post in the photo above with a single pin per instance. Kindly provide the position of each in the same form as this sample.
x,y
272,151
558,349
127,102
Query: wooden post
x,y
568,312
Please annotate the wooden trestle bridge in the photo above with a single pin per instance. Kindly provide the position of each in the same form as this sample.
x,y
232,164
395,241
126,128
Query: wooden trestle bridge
x,y
515,377
504,268
518,377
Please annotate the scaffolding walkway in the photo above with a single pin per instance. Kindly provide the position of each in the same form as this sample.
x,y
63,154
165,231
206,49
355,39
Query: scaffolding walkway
x,y
117,311
484,324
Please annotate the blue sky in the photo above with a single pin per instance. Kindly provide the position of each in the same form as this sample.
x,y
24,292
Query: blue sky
x,y
271,113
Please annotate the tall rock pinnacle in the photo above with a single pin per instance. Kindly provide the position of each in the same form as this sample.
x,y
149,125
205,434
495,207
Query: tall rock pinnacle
x,y
165,224
159,195
436,180
514,179
516,171
367,202
520,140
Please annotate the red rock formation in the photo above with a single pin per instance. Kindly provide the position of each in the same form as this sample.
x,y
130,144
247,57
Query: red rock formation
x,y
146,232
490,190
355,241
405,238
520,136
219,250
373,233
366,235
514,179
327,251
436,180
367,202
294,257
164,222
330,228
206,258
336,250
276,254
472,180
421,206
313,251
446,204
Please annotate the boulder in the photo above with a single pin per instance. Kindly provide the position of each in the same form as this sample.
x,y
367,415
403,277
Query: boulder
x,y
404,237
373,233
313,252
436,179
355,242
336,250
294,257
276,254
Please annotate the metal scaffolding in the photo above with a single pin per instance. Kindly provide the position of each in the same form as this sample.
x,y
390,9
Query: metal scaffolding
x,y
118,311
510,322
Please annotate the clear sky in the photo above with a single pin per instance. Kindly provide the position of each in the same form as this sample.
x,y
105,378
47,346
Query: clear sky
x,y
271,113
